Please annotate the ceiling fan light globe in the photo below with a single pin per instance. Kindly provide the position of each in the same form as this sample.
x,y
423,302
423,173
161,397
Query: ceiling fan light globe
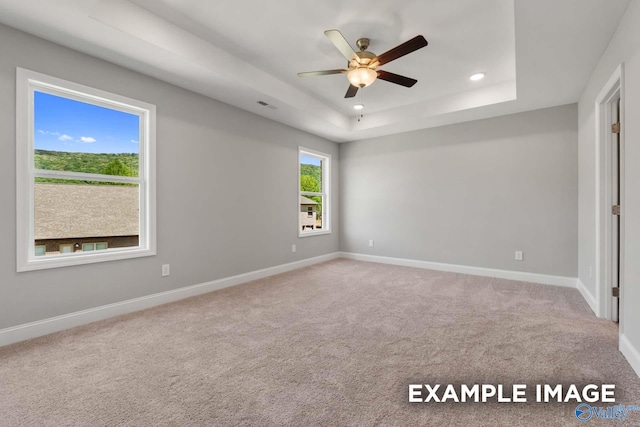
x,y
362,77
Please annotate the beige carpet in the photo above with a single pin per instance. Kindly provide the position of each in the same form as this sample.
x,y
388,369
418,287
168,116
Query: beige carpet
x,y
333,344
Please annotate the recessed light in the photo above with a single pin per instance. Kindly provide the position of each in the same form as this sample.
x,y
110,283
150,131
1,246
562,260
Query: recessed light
x,y
476,77
358,106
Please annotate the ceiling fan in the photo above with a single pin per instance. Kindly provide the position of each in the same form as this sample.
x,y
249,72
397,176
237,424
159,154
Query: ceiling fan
x,y
362,66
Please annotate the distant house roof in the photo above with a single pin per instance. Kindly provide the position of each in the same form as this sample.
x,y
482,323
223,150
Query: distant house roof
x,y
77,210
305,201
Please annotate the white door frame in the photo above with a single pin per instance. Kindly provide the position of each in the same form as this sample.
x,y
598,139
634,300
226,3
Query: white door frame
x,y
613,90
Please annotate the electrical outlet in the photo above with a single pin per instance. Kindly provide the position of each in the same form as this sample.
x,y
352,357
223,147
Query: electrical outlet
x,y
370,243
519,255
165,270
293,248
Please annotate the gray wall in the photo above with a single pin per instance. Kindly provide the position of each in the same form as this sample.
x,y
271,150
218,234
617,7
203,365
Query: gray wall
x,y
624,48
216,166
469,194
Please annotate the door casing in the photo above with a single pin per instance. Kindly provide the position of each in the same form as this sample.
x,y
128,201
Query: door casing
x,y
611,92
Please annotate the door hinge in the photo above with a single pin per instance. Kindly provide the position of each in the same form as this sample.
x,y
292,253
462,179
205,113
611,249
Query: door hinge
x,y
615,292
615,209
615,128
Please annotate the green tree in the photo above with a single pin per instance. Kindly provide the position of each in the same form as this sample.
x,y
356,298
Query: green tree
x,y
311,170
309,183
116,167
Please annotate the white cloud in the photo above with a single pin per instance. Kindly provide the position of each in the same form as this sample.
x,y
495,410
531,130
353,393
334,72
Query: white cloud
x,y
87,139
65,137
46,132
133,141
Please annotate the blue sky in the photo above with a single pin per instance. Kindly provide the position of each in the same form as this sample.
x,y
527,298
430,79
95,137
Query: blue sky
x,y
308,160
62,124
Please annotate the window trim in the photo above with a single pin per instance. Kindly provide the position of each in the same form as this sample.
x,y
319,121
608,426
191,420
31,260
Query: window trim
x,y
26,82
325,193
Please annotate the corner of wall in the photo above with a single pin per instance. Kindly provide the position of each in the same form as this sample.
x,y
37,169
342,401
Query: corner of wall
x,y
631,353
588,297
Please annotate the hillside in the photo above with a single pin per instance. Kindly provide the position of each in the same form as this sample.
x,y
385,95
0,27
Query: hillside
x,y
83,162
311,170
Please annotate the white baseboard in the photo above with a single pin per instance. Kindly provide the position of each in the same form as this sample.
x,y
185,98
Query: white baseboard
x,y
588,297
66,321
544,279
631,353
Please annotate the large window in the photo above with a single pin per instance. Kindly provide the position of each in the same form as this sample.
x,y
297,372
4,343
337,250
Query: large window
x,y
85,174
313,208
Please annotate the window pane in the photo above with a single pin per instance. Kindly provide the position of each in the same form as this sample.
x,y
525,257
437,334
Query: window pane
x,y
94,216
313,192
310,173
76,136
311,212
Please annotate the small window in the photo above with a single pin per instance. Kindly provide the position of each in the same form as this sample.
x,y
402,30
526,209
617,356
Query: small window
x,y
85,168
41,250
94,246
314,189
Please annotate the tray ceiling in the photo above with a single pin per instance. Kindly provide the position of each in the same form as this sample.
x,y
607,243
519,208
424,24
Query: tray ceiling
x,y
535,53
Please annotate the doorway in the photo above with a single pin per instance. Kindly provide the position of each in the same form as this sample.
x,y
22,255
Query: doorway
x,y
614,179
610,198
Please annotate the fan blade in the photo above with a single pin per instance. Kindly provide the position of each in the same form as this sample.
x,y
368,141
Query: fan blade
x,y
351,92
321,73
342,44
403,49
396,78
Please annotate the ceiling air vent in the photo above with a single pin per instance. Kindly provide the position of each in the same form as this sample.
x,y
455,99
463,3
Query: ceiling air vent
x,y
264,104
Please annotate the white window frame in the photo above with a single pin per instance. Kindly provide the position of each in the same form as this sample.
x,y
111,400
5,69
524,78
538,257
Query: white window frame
x,y
325,193
26,83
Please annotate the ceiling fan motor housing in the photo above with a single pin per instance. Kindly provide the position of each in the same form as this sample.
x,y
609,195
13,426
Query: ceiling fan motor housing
x,y
362,71
365,58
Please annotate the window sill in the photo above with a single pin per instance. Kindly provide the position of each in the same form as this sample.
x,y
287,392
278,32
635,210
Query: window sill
x,y
56,261
313,233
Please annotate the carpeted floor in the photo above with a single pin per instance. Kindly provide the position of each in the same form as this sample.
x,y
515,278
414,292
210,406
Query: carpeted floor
x,y
333,344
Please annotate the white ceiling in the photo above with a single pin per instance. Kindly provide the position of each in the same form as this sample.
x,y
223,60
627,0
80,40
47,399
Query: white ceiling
x,y
535,53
